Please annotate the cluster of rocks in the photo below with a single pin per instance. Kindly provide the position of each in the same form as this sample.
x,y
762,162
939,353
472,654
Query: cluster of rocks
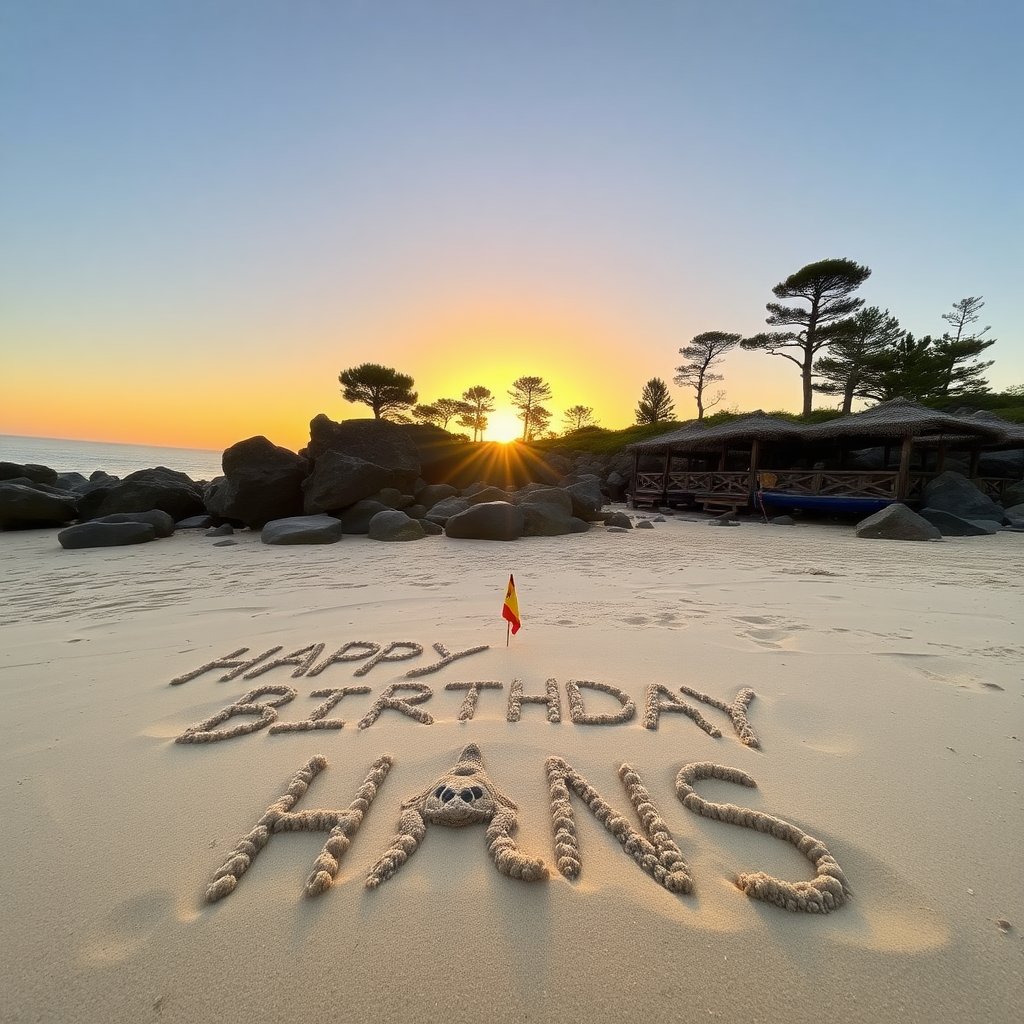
x,y
951,506
369,477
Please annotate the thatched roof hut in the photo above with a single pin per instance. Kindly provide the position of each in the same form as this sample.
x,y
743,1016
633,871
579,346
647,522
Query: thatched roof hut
x,y
696,437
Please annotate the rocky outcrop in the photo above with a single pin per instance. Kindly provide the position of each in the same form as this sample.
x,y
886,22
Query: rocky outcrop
x,y
261,482
897,522
171,492
302,530
29,471
105,535
378,442
356,518
445,509
25,506
490,520
339,480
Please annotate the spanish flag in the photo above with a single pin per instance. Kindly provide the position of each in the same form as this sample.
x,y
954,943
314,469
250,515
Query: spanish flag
x,y
510,610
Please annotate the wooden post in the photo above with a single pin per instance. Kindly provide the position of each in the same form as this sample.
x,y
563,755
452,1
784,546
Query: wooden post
x,y
755,454
975,461
636,477
940,459
664,482
903,479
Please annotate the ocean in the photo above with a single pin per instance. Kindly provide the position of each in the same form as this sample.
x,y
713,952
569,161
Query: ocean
x,y
119,460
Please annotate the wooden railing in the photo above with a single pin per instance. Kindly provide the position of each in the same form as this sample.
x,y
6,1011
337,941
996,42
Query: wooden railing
x,y
698,487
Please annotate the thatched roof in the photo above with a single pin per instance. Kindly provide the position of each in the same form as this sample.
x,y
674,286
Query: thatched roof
x,y
901,418
697,438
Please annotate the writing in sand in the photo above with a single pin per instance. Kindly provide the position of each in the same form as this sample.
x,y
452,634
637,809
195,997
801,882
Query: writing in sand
x,y
257,709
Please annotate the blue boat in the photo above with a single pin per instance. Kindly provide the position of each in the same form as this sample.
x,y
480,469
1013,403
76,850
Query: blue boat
x,y
833,503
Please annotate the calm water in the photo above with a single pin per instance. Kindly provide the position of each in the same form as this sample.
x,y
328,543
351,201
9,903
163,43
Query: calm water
x,y
86,457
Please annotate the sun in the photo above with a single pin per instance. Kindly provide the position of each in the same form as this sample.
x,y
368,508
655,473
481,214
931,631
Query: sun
x,y
504,426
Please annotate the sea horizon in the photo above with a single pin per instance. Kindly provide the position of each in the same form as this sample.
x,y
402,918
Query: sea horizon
x,y
72,455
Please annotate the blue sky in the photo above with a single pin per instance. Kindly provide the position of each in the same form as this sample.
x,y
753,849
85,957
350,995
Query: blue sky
x,y
208,209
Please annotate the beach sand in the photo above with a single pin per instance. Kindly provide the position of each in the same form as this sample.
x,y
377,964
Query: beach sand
x,y
888,680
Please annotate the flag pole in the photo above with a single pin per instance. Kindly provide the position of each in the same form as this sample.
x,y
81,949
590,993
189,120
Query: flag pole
x,y
508,628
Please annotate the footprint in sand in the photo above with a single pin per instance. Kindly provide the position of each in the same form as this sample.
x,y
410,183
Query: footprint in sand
x,y
128,927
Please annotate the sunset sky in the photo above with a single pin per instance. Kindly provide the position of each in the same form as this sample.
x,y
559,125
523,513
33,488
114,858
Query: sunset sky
x,y
209,208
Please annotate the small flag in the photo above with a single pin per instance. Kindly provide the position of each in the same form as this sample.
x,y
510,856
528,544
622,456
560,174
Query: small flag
x,y
510,610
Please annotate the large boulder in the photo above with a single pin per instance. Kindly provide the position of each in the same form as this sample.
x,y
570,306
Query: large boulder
x,y
486,493
954,493
378,442
547,511
24,506
339,480
37,474
587,498
1013,495
302,530
172,492
162,523
261,482
897,522
490,520
356,518
105,535
445,509
430,494
393,525
953,526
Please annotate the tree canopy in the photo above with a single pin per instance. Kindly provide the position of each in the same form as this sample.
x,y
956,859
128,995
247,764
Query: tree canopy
x,y
578,416
827,287
382,388
478,402
655,402
701,354
527,393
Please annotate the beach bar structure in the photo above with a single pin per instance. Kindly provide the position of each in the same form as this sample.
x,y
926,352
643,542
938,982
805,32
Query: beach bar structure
x,y
765,460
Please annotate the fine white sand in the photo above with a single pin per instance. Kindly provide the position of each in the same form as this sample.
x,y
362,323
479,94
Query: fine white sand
x,y
888,680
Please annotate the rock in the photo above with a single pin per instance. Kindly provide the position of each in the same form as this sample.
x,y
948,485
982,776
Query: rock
x,y
616,484
431,529
1013,495
415,511
645,524
782,521
554,497
547,512
393,525
953,526
195,523
953,493
579,525
617,529
897,522
377,442
339,480
559,463
356,518
1015,511
223,543
105,535
24,507
1007,464
478,497
161,488
302,530
619,520
162,523
431,494
490,520
72,482
659,519
37,474
392,497
587,499
224,530
445,509
262,481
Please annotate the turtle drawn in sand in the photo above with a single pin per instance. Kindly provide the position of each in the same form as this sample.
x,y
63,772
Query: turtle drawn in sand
x,y
463,796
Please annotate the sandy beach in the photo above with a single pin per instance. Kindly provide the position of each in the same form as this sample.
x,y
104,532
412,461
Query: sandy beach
x,y
888,715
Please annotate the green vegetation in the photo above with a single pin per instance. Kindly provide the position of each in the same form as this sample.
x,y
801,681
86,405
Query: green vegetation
x,y
382,388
